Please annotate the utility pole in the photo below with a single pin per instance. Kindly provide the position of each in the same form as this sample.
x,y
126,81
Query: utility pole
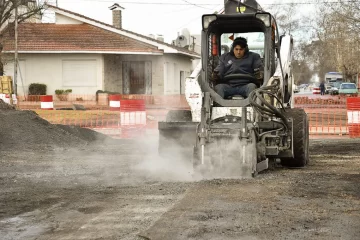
x,y
16,49
193,43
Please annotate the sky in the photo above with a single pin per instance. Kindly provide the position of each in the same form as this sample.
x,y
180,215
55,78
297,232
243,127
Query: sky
x,y
158,17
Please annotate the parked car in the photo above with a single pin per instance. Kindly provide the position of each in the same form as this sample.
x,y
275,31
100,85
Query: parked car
x,y
327,89
348,89
334,91
296,89
304,85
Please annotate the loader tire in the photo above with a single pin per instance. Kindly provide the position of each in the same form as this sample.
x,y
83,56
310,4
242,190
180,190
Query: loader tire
x,y
179,116
300,133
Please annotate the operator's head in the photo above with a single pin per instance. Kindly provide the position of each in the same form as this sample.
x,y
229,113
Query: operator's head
x,y
239,47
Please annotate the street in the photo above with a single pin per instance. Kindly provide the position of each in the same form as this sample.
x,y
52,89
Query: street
x,y
122,190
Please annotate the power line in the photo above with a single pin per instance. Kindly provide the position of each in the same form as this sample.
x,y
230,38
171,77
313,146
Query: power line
x,y
148,3
310,3
196,5
192,20
186,3
178,10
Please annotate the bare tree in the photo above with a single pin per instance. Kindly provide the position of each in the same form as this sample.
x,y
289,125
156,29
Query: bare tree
x,y
337,47
290,21
301,67
286,18
28,9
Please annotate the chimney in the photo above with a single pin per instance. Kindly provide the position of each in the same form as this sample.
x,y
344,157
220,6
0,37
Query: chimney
x,y
116,15
160,37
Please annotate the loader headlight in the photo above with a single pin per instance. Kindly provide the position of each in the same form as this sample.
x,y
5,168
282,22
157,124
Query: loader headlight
x,y
265,17
207,19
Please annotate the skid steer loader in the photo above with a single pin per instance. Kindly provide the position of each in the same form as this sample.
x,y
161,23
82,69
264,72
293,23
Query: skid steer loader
x,y
227,138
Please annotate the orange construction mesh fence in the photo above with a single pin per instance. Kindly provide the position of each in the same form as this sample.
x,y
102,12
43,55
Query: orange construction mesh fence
x,y
328,117
101,101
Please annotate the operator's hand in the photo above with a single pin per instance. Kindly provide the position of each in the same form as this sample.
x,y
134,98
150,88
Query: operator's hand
x,y
258,74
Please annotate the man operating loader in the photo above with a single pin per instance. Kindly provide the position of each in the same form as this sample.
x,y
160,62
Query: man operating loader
x,y
238,61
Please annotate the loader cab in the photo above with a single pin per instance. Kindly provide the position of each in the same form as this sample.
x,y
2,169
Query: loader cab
x,y
219,31
255,42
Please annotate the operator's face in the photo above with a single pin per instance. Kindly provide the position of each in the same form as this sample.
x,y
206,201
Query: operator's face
x,y
239,51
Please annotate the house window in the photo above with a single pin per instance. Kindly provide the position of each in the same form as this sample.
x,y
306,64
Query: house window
x,y
137,77
79,73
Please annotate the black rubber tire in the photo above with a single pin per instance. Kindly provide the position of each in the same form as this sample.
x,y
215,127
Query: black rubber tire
x,y
300,138
179,116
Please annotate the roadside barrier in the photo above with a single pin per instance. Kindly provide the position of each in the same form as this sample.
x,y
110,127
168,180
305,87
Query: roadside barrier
x,y
114,102
327,122
353,116
316,90
87,119
132,117
6,98
318,102
129,124
324,123
102,102
47,102
329,116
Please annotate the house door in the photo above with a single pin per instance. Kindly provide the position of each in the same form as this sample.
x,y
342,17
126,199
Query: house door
x,y
137,77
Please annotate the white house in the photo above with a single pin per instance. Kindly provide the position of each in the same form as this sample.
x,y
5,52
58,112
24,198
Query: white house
x,y
85,55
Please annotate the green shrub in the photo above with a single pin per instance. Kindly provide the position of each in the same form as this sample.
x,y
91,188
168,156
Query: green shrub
x,y
61,91
37,89
62,94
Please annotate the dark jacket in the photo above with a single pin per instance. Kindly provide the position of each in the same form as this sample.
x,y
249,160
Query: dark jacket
x,y
322,86
229,64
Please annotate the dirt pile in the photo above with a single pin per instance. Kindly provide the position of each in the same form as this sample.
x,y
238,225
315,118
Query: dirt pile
x,y
4,105
26,130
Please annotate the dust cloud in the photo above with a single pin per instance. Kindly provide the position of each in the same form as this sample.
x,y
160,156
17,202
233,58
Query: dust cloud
x,y
172,167
224,158
80,156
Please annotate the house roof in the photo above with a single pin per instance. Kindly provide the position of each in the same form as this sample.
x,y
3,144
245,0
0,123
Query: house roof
x,y
91,36
162,45
52,37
